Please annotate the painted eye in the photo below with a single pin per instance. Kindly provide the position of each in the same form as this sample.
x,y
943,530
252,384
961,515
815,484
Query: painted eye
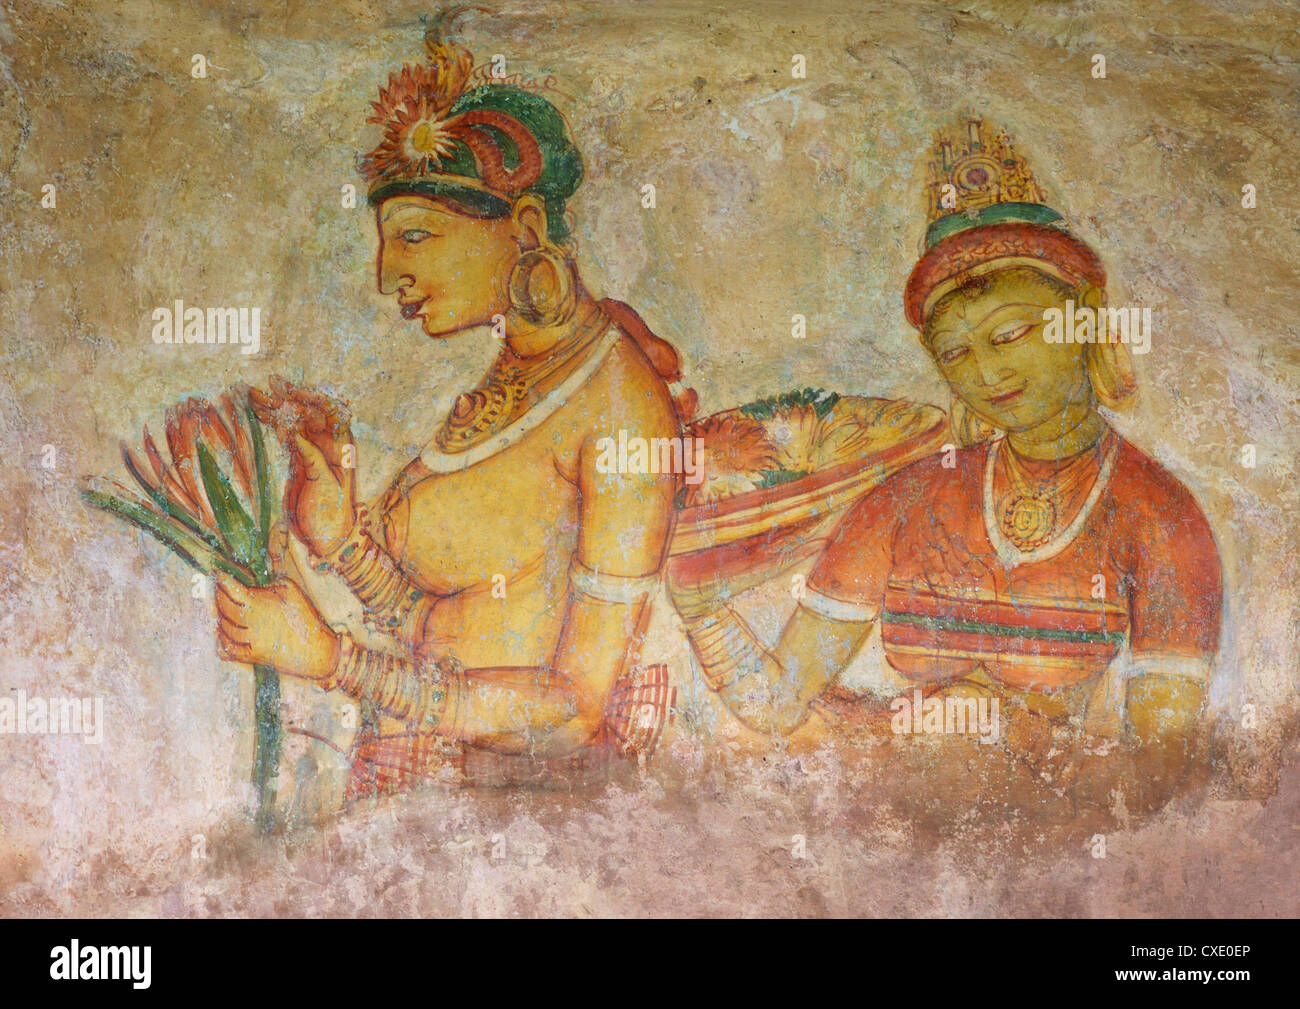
x,y
953,355
413,235
1011,334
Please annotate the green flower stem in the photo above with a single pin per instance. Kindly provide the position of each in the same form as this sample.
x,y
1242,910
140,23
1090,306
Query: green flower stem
x,y
266,757
239,546
247,541
266,764
266,715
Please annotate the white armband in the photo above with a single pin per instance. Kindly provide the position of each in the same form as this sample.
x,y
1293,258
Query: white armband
x,y
1187,667
612,588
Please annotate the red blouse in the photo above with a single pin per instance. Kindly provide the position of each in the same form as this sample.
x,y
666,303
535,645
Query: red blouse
x,y
917,552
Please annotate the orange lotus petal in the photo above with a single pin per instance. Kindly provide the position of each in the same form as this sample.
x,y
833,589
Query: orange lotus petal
x,y
178,446
182,429
180,496
211,428
412,85
155,457
168,481
136,470
414,94
245,463
219,439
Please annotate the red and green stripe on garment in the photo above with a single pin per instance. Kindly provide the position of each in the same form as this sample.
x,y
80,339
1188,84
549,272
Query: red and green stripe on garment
x,y
924,621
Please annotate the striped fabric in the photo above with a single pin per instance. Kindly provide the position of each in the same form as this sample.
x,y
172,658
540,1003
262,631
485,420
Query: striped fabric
x,y
932,633
1142,570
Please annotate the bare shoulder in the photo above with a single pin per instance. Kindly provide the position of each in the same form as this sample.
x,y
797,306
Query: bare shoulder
x,y
627,392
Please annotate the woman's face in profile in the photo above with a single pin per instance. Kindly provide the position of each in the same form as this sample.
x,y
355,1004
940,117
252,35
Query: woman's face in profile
x,y
447,269
987,342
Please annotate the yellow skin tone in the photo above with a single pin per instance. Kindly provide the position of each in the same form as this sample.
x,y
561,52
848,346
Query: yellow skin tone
x,y
986,344
540,662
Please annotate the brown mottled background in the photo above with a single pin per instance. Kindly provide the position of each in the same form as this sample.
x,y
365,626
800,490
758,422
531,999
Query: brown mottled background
x,y
775,196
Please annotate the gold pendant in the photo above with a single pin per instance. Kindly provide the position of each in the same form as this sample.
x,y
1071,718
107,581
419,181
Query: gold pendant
x,y
509,390
481,413
1029,520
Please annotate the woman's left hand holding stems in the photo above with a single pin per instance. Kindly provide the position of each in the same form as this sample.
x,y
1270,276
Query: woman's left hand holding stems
x,y
277,625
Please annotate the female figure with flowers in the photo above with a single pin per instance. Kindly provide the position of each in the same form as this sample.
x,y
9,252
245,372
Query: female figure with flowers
x,y
513,573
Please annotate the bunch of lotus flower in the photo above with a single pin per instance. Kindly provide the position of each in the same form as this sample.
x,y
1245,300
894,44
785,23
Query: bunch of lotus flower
x,y
212,504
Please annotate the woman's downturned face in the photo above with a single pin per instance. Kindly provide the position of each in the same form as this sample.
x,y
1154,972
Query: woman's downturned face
x,y
447,269
987,341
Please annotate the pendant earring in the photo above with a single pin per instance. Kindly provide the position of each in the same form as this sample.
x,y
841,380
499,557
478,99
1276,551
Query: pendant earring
x,y
540,299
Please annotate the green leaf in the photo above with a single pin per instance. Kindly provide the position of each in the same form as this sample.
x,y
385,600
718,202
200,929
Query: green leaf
x,y
175,539
776,477
825,403
262,474
193,552
236,527
765,409
171,508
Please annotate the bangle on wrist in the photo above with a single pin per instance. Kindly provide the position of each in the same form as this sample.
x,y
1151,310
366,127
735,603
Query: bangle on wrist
x,y
372,574
724,646
412,691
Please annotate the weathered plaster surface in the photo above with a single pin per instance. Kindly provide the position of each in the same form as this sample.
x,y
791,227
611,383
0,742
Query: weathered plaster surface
x,y
774,196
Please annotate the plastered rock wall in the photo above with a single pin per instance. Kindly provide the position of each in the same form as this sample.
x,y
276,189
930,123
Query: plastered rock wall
x,y
775,196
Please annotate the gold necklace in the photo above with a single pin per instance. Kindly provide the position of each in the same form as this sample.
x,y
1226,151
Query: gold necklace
x,y
1031,510
512,385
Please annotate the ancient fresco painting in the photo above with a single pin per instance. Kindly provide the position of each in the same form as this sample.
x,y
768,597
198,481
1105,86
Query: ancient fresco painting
x,y
519,464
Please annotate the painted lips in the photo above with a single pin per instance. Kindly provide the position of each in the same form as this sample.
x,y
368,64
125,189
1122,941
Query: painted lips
x,y
1007,397
411,310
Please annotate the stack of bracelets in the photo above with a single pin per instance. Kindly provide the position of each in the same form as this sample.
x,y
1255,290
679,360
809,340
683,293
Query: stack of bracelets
x,y
422,693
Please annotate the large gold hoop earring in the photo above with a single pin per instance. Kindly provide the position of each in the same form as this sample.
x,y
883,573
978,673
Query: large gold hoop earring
x,y
1110,371
545,304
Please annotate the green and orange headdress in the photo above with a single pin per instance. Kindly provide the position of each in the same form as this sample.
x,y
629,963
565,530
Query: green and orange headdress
x,y
987,213
481,146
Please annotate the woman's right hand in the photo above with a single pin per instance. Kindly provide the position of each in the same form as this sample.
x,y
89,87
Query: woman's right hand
x,y
320,494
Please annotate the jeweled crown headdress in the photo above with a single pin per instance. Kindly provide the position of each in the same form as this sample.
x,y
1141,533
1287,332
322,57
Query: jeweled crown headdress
x,y
974,169
986,212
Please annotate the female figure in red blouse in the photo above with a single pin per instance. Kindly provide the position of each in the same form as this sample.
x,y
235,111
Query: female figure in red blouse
x,y
1044,561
